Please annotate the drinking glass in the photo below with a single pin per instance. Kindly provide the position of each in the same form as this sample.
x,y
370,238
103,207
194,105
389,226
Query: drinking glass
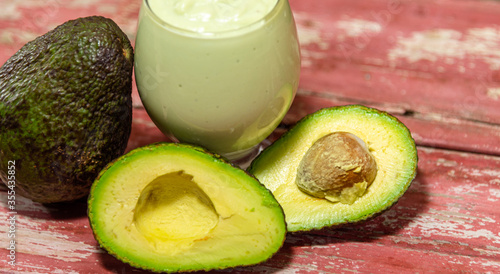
x,y
225,88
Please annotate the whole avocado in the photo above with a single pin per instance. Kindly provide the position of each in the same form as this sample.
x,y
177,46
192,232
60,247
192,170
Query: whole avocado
x,y
65,109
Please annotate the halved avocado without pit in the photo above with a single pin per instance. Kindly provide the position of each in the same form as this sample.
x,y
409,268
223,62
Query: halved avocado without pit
x,y
338,165
170,207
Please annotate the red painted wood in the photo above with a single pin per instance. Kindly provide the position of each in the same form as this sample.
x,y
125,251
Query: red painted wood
x,y
425,56
433,64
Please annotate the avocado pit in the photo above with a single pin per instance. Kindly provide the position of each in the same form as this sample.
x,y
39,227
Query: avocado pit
x,y
337,167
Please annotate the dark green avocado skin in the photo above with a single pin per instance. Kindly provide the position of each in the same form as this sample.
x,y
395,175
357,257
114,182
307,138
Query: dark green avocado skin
x,y
65,108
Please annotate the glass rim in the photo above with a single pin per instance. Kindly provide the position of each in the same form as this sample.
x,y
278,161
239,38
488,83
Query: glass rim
x,y
215,34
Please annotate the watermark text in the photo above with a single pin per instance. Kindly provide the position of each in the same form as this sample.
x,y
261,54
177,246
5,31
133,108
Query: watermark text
x,y
12,215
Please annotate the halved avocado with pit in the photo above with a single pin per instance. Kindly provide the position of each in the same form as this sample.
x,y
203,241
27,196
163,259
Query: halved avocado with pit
x,y
314,169
170,207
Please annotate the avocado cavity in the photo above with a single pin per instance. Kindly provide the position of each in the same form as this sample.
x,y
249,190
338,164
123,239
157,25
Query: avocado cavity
x,y
173,210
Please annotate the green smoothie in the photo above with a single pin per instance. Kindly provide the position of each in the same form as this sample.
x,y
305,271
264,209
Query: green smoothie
x,y
221,74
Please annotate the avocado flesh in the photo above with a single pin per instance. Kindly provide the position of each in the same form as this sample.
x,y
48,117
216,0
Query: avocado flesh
x,y
66,108
389,141
173,207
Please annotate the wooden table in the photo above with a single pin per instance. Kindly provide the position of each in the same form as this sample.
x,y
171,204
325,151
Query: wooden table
x,y
433,64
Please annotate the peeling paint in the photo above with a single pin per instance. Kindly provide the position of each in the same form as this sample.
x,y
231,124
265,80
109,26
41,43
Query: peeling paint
x,y
13,36
430,226
9,10
465,189
436,44
446,163
358,27
6,38
493,93
488,263
82,3
482,172
310,33
454,215
107,8
36,241
494,193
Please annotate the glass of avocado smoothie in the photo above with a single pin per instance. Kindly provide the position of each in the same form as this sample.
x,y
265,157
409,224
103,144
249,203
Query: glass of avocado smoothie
x,y
217,73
